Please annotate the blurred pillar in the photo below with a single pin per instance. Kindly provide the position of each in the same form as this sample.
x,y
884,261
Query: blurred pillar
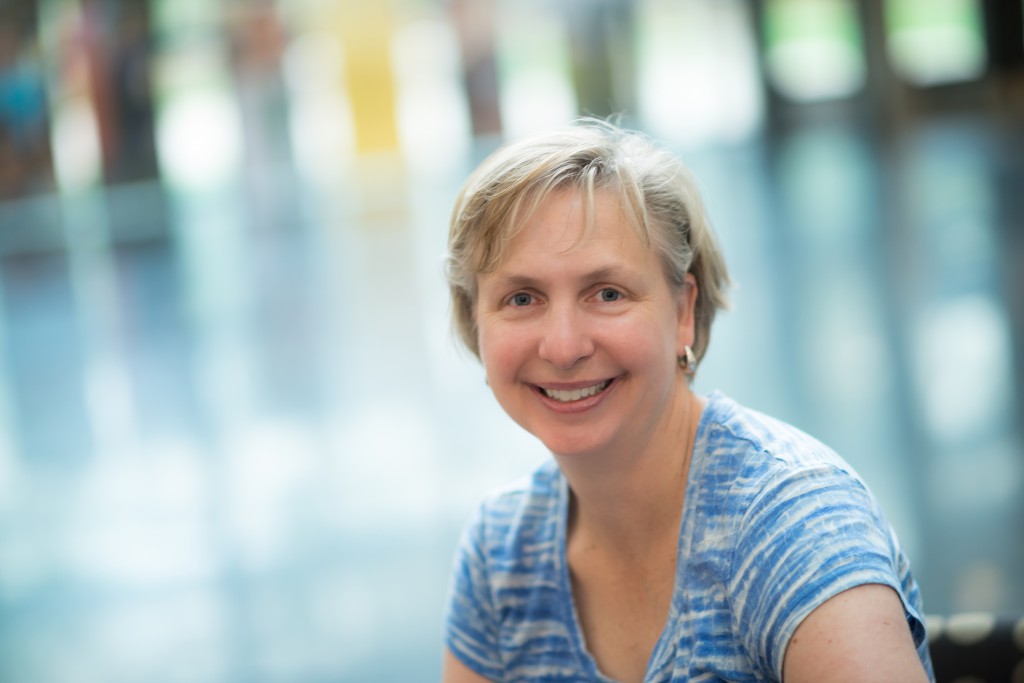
x,y
258,38
886,105
25,157
603,60
75,121
106,55
258,41
769,96
366,29
474,22
95,51
71,39
130,138
1004,20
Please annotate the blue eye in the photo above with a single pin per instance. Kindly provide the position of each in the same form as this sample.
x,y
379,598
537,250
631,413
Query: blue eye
x,y
609,295
521,299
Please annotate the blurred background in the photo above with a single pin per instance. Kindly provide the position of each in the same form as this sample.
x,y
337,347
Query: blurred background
x,y
237,441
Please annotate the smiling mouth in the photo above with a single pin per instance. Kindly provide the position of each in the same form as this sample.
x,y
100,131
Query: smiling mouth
x,y
570,395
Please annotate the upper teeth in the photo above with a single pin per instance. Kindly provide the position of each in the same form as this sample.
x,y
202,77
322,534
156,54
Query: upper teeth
x,y
575,394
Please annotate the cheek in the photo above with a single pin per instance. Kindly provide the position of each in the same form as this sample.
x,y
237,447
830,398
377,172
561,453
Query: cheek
x,y
497,349
649,337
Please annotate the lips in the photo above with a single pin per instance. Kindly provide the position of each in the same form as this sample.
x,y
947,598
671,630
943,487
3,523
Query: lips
x,y
576,393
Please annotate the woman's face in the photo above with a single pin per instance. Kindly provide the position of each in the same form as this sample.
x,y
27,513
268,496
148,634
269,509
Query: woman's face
x,y
579,337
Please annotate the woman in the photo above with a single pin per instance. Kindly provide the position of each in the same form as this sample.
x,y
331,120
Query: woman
x,y
673,537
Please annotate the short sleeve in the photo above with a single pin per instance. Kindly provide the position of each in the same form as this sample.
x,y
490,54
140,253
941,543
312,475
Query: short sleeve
x,y
471,629
807,536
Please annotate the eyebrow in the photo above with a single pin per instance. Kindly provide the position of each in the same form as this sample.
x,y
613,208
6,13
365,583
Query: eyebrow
x,y
528,282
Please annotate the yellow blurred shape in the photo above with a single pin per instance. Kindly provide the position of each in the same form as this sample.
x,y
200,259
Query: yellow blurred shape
x,y
366,30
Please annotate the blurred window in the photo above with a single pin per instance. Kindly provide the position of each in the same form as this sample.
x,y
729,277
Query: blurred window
x,y
698,80
534,68
935,41
199,136
814,49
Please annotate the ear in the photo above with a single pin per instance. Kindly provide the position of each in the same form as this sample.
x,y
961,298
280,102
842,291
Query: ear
x,y
686,307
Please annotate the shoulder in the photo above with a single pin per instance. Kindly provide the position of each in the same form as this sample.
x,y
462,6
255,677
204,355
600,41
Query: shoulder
x,y
514,519
760,442
506,605
745,455
758,483
795,523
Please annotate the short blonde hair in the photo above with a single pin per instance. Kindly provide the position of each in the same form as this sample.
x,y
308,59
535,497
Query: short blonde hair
x,y
656,191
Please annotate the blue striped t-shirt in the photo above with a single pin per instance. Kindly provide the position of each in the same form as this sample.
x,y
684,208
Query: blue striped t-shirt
x,y
774,523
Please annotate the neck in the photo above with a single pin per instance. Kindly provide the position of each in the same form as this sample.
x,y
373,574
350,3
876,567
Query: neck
x,y
631,498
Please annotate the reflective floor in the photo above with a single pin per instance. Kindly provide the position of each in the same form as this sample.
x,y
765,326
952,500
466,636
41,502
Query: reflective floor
x,y
237,441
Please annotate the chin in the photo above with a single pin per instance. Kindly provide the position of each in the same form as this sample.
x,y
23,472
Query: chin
x,y
565,446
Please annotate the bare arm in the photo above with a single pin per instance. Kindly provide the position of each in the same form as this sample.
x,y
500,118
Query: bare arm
x,y
858,636
454,671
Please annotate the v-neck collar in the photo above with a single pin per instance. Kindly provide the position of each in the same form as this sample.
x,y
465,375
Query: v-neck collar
x,y
664,647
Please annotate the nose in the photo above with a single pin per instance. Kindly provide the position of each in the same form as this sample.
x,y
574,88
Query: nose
x,y
565,338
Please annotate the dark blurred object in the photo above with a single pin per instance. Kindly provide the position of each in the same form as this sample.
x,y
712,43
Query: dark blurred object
x,y
603,59
129,141
977,647
102,58
1004,31
25,159
1004,23
475,22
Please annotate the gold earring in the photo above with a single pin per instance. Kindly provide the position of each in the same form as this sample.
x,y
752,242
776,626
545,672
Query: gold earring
x,y
688,361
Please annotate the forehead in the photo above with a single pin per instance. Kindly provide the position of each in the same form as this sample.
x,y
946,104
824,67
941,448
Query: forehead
x,y
566,230
568,220
503,218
